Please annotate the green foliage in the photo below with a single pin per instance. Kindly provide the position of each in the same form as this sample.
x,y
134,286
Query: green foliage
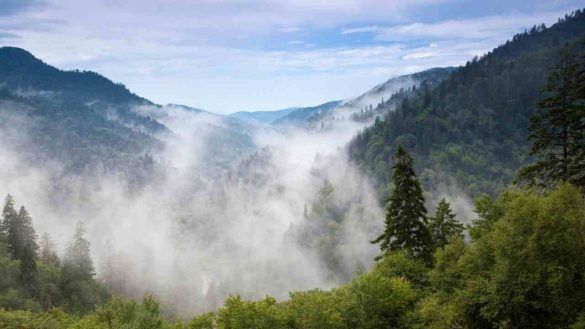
x,y
203,321
30,283
525,270
239,314
472,126
405,224
444,226
379,301
558,129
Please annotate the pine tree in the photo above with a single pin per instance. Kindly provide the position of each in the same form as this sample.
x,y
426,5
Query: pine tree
x,y
444,225
14,234
28,250
48,256
405,224
28,231
8,216
77,255
558,129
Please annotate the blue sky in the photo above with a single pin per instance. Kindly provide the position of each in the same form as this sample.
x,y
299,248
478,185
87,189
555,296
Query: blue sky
x,y
232,55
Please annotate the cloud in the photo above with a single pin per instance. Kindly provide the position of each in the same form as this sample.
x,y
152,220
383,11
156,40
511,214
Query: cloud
x,y
484,28
178,52
363,29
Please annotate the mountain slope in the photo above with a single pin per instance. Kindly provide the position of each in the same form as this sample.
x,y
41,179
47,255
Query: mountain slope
x,y
393,85
83,122
473,126
377,95
262,117
303,114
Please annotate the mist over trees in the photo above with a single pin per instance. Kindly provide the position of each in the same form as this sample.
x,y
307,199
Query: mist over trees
x,y
276,220
472,127
34,278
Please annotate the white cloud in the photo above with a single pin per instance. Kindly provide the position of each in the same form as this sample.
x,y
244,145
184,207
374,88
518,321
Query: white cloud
x,y
363,29
177,52
490,27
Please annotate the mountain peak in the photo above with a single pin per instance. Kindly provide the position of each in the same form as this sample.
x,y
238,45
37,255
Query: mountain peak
x,y
14,56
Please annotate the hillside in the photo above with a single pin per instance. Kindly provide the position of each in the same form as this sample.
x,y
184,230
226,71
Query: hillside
x,y
262,117
472,127
372,98
82,122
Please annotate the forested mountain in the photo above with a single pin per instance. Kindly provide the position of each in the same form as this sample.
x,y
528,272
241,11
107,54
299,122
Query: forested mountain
x,y
79,119
301,115
372,98
473,126
262,117
83,122
385,90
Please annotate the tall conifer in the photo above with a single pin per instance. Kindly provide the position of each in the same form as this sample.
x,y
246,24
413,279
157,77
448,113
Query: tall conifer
x,y
405,224
557,131
444,225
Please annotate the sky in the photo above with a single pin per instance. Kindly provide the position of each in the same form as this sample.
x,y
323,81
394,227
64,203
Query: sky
x,y
235,55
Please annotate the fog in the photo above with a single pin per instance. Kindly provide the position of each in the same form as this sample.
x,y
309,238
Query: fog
x,y
219,217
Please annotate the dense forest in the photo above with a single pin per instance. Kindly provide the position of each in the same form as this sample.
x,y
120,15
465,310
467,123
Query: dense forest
x,y
472,127
519,264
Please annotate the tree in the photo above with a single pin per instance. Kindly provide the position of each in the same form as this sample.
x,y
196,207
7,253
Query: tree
x,y
405,224
444,225
78,255
557,131
9,216
27,251
48,256
77,284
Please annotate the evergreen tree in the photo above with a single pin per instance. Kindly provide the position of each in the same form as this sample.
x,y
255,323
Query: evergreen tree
x,y
28,253
8,216
15,242
558,129
444,225
48,256
77,255
405,224
28,232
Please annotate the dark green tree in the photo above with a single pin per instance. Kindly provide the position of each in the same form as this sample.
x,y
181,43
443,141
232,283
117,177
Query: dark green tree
x,y
557,131
406,215
8,216
443,226
28,250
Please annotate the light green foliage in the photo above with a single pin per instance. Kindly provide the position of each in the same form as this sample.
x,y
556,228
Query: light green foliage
x,y
54,319
398,264
203,321
239,314
526,272
378,301
317,309
125,314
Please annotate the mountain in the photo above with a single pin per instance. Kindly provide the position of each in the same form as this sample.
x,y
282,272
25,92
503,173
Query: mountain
x,y
472,127
373,97
303,114
262,117
393,85
84,122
